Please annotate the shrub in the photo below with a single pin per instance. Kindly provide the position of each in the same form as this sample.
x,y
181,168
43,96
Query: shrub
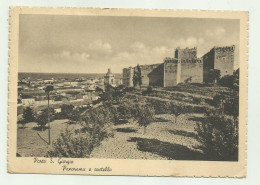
x,y
95,128
227,105
66,111
197,100
28,116
160,107
218,136
72,145
176,110
145,115
42,118
149,90
231,81
231,106
74,116
218,100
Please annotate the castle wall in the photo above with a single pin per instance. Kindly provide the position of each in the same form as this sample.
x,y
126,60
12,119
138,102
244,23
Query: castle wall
x,y
191,71
156,77
185,68
208,65
146,70
218,58
170,74
187,53
224,60
127,77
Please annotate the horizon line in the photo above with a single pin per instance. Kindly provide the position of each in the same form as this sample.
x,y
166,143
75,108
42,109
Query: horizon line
x,y
65,72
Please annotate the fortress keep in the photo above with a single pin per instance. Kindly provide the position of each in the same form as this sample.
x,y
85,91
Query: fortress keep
x,y
185,67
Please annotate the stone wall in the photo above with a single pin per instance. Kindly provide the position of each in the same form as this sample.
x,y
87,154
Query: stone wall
x,y
156,77
146,70
170,73
187,53
224,60
218,58
208,65
185,68
191,71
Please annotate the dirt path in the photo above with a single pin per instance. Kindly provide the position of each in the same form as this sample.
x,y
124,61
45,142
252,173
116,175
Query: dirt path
x,y
163,140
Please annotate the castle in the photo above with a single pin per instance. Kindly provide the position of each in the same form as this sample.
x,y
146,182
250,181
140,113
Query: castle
x,y
185,67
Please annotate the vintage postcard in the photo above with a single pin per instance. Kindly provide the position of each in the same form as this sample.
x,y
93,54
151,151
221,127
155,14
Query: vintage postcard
x,y
128,92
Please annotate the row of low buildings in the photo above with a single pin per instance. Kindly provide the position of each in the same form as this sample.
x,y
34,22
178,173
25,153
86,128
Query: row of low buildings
x,y
185,67
32,92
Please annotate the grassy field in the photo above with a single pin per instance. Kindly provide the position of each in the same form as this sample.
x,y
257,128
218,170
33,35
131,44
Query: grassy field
x,y
31,141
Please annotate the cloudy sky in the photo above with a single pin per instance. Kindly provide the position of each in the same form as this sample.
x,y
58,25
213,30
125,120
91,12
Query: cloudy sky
x,y
91,44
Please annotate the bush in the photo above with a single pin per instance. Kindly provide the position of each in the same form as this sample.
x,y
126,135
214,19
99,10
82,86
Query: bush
x,y
218,100
231,81
74,116
96,127
28,116
145,115
162,107
176,110
72,145
227,105
218,136
197,100
231,106
42,118
66,111
149,90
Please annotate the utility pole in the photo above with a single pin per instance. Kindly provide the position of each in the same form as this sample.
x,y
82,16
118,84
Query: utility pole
x,y
49,125
47,90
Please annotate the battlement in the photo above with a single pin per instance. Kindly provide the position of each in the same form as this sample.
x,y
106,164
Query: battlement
x,y
185,67
186,53
183,61
148,67
224,49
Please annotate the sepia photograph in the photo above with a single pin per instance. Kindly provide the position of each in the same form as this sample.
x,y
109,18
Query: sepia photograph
x,y
119,87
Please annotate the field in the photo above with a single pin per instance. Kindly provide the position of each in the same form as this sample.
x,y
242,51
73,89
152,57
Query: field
x,y
164,138
32,141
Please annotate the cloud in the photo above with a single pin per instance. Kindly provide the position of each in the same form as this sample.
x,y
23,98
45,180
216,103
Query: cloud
x,y
73,56
187,42
216,32
142,54
94,50
100,47
138,46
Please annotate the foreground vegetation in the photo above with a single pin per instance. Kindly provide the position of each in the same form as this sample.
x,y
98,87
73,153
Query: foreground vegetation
x,y
216,132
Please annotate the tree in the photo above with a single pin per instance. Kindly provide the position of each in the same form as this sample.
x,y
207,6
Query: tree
x,y
66,110
74,116
42,118
137,77
231,107
231,81
145,115
176,110
28,116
